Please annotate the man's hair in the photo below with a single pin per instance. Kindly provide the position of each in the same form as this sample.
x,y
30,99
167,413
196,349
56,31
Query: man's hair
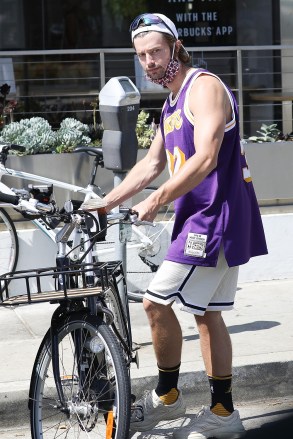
x,y
183,55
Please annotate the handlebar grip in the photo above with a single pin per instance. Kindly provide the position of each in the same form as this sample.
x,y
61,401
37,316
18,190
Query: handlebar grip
x,y
7,198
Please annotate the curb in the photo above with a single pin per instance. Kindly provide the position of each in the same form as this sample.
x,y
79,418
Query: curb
x,y
250,383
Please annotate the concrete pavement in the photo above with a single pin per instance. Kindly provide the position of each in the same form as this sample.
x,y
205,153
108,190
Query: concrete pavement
x,y
261,327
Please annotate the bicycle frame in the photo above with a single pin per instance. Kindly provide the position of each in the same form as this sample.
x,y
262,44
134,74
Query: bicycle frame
x,y
88,191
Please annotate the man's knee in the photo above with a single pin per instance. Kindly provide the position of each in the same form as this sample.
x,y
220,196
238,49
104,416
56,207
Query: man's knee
x,y
151,307
155,310
209,318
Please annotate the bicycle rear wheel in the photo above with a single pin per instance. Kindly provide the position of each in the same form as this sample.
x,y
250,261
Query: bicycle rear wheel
x,y
94,380
9,246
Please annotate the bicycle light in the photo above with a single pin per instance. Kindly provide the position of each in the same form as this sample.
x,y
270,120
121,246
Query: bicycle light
x,y
95,345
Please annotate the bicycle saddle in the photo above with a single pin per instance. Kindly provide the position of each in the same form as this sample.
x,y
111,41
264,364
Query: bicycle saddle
x,y
91,150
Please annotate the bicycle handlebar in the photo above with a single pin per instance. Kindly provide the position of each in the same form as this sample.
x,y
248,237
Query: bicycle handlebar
x,y
128,215
9,198
32,205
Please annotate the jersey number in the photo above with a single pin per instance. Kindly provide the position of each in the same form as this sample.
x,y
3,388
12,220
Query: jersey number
x,y
175,160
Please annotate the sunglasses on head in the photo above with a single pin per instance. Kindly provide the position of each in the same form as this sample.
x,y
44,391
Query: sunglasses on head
x,y
148,20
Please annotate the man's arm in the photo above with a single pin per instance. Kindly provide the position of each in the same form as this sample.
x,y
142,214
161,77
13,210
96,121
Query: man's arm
x,y
209,103
143,173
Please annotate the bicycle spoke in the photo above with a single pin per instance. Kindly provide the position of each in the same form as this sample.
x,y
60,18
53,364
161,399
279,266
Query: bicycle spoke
x,y
90,380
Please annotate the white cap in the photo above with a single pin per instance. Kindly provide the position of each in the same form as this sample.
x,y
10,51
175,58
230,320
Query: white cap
x,y
160,27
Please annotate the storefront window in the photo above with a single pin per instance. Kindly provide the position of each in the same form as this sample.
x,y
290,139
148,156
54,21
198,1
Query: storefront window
x,y
73,24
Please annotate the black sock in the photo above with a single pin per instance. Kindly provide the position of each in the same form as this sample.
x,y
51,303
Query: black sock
x,y
221,395
168,379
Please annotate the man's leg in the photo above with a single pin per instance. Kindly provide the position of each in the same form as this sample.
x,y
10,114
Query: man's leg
x,y
167,343
166,333
165,401
216,350
220,420
215,343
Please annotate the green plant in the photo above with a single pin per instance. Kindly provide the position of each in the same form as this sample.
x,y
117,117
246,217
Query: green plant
x,y
38,137
35,134
70,134
270,133
145,132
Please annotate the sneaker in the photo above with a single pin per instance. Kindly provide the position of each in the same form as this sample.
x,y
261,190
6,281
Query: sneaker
x,y
208,425
150,410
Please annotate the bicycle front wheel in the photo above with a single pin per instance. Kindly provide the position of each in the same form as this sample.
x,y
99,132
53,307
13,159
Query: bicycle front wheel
x,y
94,381
9,247
114,304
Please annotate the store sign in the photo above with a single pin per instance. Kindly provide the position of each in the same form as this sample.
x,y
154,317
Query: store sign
x,y
204,22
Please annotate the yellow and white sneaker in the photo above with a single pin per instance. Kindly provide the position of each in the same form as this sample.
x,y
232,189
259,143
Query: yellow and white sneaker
x,y
150,410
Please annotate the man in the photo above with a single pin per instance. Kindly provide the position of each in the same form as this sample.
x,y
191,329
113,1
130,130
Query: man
x,y
217,227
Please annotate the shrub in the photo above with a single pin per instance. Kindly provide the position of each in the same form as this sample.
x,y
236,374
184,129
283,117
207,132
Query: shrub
x,y
145,132
70,134
35,134
38,137
270,133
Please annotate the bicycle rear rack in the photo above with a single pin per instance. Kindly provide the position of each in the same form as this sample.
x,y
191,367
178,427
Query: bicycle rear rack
x,y
36,286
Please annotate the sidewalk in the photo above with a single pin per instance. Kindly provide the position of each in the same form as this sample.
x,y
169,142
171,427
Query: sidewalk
x,y
261,327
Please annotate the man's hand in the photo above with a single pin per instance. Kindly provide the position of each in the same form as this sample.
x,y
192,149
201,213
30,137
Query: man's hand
x,y
146,210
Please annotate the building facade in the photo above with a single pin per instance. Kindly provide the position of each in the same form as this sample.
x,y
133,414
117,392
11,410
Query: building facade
x,y
59,25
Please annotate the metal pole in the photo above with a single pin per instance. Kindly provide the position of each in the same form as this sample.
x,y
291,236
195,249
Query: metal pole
x,y
102,70
240,88
120,243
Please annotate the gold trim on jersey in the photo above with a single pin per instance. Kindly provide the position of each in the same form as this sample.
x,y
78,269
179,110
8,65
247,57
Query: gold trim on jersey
x,y
188,114
172,102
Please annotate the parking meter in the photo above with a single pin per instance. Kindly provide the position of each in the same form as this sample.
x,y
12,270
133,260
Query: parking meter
x,y
119,106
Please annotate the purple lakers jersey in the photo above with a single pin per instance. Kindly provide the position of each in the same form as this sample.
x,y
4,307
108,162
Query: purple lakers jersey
x,y
222,209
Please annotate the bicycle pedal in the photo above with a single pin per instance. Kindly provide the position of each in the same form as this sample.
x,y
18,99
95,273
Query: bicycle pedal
x,y
135,346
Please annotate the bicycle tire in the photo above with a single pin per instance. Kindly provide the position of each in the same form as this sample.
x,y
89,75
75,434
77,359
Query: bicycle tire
x,y
103,391
9,244
114,304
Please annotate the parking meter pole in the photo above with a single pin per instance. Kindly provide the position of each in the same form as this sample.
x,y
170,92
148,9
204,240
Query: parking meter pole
x,y
120,243
119,105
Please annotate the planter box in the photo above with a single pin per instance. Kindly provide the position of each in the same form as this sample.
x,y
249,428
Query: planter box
x,y
271,167
70,168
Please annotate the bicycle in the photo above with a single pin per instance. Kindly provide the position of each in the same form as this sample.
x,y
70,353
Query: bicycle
x,y
146,244
80,382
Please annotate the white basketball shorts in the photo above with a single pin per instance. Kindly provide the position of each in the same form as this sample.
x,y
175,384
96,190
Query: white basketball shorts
x,y
195,289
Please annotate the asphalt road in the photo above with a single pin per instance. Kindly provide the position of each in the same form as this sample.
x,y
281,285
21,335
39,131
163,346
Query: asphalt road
x,y
262,415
